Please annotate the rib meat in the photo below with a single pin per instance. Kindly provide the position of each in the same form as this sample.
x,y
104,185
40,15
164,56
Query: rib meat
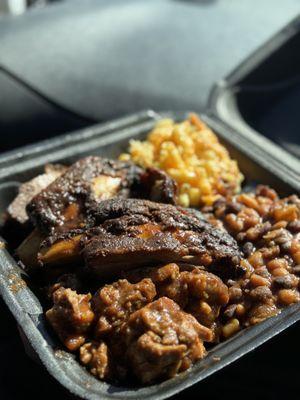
x,y
130,233
91,179
65,203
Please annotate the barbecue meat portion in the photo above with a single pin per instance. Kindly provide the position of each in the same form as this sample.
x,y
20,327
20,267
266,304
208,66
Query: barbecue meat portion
x,y
131,233
89,180
61,211
123,234
196,291
148,326
97,358
67,281
27,190
156,185
113,304
161,340
16,222
71,317
65,203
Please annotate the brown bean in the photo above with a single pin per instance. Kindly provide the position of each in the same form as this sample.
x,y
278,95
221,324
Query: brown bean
x,y
256,259
285,247
233,207
296,269
273,234
248,248
287,281
294,226
257,280
279,224
258,231
266,191
270,252
287,213
248,200
230,311
296,257
263,271
253,234
261,293
277,263
231,327
279,272
246,267
261,312
240,310
288,296
240,237
235,293
235,224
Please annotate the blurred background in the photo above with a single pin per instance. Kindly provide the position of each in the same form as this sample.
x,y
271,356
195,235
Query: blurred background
x,y
68,64
65,65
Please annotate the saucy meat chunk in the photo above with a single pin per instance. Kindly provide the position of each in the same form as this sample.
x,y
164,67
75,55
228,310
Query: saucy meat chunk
x,y
162,340
195,290
96,357
150,328
71,317
198,292
113,304
67,281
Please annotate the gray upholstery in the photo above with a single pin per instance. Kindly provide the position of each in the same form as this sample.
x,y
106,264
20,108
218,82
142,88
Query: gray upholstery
x,y
106,58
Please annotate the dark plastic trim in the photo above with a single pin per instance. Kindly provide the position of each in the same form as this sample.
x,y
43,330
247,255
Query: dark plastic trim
x,y
222,105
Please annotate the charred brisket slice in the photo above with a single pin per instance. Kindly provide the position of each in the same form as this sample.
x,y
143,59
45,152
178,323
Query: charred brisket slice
x,y
64,203
129,233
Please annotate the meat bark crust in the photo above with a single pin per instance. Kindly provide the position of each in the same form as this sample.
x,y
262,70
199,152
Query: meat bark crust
x,y
130,233
66,201
90,179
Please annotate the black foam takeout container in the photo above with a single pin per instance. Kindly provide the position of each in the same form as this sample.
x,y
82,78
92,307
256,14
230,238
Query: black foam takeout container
x,y
260,160
259,164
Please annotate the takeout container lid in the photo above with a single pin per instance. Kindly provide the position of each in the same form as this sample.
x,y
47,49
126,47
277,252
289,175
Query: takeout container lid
x,y
258,67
